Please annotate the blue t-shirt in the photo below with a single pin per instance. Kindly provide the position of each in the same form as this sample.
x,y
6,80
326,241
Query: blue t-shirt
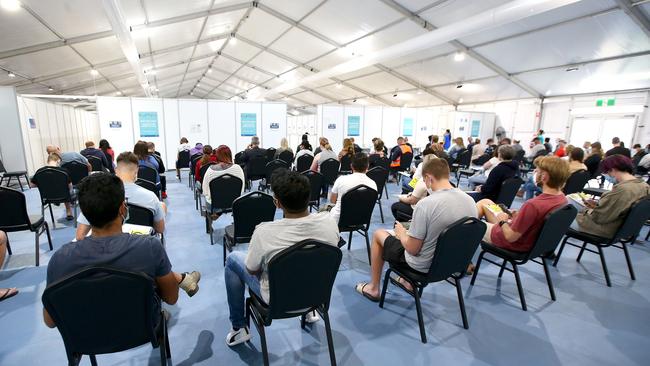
x,y
69,156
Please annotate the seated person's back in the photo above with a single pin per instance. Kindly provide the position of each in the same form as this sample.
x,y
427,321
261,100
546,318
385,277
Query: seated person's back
x,y
345,183
505,169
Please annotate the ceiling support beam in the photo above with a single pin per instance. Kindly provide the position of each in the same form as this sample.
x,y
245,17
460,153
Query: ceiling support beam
x,y
192,16
635,14
55,44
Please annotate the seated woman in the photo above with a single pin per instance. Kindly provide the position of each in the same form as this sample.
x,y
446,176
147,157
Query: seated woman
x,y
576,157
457,148
593,160
284,146
347,150
141,150
505,169
207,158
224,165
324,154
606,216
377,153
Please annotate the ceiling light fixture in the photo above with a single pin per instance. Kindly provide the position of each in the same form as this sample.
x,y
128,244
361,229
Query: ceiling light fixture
x,y
150,72
191,93
94,72
210,70
11,74
354,101
339,86
395,95
459,86
10,5
233,40
50,88
419,92
459,56
118,93
460,100
548,92
575,68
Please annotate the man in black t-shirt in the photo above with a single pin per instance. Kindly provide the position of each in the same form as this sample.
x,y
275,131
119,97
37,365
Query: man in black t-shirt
x,y
618,149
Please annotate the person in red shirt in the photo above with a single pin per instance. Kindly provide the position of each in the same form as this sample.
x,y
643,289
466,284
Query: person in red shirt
x,y
207,158
519,231
560,152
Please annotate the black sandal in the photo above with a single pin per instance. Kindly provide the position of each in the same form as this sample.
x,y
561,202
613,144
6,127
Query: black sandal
x,y
396,282
6,295
359,288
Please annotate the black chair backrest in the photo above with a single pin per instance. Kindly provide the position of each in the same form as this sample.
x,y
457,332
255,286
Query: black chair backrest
x,y
292,288
95,163
376,160
148,173
184,158
250,210
315,183
270,154
256,167
52,185
196,156
455,247
346,163
102,310
636,217
224,190
286,156
508,191
576,182
519,156
273,166
356,207
76,171
405,161
379,175
304,163
139,215
239,158
204,168
193,160
482,159
2,167
464,159
555,226
539,155
13,215
330,170
148,185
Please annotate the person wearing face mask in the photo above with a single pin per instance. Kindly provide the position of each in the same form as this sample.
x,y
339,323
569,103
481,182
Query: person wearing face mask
x,y
127,171
101,198
432,215
604,217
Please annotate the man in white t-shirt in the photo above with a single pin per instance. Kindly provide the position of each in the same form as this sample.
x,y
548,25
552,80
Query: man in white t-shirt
x,y
127,171
291,191
345,183
432,215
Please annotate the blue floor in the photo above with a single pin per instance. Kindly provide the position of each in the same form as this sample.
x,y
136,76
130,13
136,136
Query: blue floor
x,y
588,324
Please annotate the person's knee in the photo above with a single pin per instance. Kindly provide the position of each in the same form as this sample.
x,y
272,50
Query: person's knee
x,y
235,259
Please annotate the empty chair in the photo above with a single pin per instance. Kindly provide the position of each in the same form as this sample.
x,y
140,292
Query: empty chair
x,y
102,310
183,161
10,175
626,234
346,165
14,217
95,163
454,250
271,167
255,170
53,188
224,190
290,295
555,225
356,211
315,184
462,166
330,171
379,175
576,182
239,159
303,163
286,156
247,212
508,191
76,171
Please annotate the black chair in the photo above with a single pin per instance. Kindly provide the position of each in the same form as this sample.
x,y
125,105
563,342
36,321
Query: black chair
x,y
330,171
224,190
555,225
303,163
462,161
356,211
292,295
576,182
247,212
379,175
102,310
95,163
271,167
519,156
239,159
482,159
636,217
346,165
183,161
14,217
255,170
462,166
53,188
198,189
139,215
270,154
508,191
315,183
376,160
193,160
150,175
10,175
454,250
76,171
286,156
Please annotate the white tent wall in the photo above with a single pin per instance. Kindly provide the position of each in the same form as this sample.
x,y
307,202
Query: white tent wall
x,y
12,151
54,124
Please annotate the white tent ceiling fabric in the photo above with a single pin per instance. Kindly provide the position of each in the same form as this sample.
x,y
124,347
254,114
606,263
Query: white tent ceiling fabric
x,y
238,49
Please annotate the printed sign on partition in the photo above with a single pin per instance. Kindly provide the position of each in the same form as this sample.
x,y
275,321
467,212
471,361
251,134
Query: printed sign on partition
x,y
115,124
408,127
476,128
32,122
248,124
331,126
275,126
148,124
354,125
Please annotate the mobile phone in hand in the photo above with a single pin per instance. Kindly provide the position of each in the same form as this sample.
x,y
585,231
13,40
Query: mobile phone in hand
x,y
505,209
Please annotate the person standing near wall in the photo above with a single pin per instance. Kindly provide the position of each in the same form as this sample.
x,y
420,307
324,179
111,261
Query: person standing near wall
x,y
447,142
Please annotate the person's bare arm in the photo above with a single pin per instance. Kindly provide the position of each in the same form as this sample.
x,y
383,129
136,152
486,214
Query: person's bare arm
x,y
159,226
333,197
168,288
411,245
48,319
82,231
409,199
509,234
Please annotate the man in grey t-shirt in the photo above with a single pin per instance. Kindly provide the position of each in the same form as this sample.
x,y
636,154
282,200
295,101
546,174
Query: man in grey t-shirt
x,y
432,215
67,157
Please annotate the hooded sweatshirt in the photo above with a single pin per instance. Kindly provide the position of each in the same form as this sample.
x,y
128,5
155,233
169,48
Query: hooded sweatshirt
x,y
504,170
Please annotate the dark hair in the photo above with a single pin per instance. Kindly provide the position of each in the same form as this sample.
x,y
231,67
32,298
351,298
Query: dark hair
x,y
616,140
619,162
427,151
360,162
636,146
104,145
577,154
207,151
292,189
141,150
100,197
541,131
506,141
548,139
184,140
489,141
127,157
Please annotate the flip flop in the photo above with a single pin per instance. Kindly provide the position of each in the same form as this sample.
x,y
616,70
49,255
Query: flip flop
x,y
396,281
69,217
359,288
7,294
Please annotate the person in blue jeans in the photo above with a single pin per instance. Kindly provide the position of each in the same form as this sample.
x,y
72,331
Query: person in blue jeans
x,y
291,192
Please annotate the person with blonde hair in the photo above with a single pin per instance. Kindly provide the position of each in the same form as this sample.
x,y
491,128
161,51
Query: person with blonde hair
x,y
457,148
284,146
348,148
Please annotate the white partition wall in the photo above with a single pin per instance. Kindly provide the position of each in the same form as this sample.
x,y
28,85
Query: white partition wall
x,y
172,131
149,124
248,117
274,124
12,150
390,126
372,125
116,122
221,123
193,120
332,127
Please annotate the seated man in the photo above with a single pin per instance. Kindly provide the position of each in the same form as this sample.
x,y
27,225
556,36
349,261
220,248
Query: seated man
x,y
101,198
54,162
403,208
397,152
67,157
505,169
291,191
432,215
127,171
519,231
5,293
345,183
90,150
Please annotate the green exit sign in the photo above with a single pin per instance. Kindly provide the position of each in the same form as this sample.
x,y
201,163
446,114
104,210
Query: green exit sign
x,y
608,102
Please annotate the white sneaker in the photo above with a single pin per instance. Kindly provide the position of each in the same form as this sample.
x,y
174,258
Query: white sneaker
x,y
312,317
191,283
239,336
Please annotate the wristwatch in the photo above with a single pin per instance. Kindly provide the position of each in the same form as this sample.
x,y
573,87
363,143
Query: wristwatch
x,y
502,222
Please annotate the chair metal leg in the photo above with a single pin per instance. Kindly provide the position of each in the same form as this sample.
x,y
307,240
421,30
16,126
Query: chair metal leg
x,y
265,352
629,261
559,252
519,288
350,240
384,287
381,211
93,360
330,341
36,247
8,246
51,216
386,190
602,261
476,268
503,268
74,210
461,303
549,281
49,238
418,308
20,183
582,250
647,235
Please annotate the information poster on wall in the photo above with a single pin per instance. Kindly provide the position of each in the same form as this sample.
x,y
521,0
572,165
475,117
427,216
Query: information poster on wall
x,y
148,124
476,128
249,124
115,124
408,127
354,125
32,122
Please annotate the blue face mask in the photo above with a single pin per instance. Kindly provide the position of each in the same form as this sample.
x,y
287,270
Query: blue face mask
x,y
610,179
